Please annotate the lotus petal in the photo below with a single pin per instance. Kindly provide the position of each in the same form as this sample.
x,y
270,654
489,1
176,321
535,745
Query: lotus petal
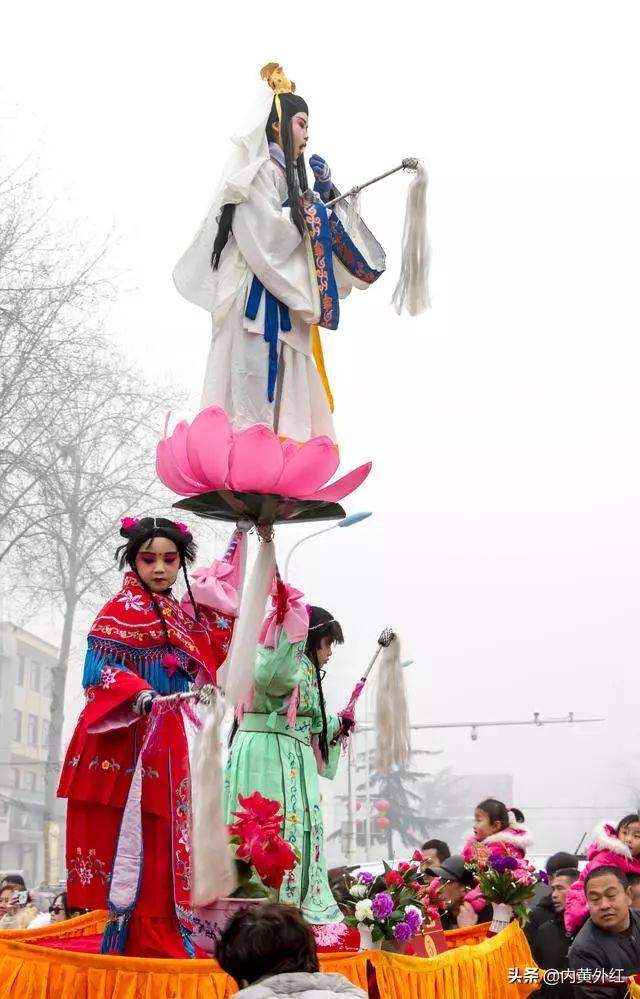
x,y
169,473
313,465
289,448
342,487
256,460
178,445
209,442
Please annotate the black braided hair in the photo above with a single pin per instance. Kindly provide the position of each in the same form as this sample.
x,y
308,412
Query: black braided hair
x,y
322,624
191,597
295,172
137,533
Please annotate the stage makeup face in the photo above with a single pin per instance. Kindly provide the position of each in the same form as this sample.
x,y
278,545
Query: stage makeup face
x,y
325,651
157,564
299,133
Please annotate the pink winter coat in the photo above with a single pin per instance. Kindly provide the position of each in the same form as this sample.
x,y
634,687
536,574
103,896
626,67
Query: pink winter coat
x,y
606,849
512,842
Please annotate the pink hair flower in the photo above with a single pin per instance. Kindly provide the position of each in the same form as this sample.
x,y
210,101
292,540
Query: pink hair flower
x,y
128,523
182,527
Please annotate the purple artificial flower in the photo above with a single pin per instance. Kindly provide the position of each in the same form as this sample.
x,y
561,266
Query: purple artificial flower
x,y
365,878
382,905
542,876
505,864
413,918
402,932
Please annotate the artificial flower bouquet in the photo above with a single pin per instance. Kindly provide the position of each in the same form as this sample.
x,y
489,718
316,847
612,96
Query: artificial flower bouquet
x,y
506,880
394,905
262,856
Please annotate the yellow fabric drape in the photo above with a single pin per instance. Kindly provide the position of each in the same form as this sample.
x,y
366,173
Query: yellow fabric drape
x,y
467,972
467,935
31,971
318,356
634,989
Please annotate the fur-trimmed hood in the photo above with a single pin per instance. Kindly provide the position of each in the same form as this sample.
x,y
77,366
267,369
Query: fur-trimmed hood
x,y
516,836
605,838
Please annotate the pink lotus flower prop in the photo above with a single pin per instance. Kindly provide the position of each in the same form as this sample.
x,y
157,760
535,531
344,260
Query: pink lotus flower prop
x,y
208,455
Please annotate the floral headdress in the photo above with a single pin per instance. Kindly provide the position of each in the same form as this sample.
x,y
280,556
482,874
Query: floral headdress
x,y
129,524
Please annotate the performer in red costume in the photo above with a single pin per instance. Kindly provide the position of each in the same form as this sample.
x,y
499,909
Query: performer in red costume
x,y
126,772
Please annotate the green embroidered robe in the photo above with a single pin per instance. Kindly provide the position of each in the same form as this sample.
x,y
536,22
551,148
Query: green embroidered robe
x,y
279,762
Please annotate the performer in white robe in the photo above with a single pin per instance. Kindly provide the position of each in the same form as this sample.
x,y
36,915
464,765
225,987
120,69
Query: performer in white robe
x,y
270,266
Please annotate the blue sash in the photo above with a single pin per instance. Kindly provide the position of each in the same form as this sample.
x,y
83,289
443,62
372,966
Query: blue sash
x,y
276,318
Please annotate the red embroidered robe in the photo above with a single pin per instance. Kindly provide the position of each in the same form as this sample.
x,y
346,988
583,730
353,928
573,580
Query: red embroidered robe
x,y
125,656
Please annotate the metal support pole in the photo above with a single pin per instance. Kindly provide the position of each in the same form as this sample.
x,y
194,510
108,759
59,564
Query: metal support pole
x,y
351,804
367,780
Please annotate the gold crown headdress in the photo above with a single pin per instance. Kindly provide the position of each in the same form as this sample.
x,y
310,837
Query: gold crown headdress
x,y
277,79
275,76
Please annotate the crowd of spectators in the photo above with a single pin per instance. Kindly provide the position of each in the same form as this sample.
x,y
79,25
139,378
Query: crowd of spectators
x,y
21,909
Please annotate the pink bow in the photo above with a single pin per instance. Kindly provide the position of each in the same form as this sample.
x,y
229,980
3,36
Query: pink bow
x,y
212,588
295,620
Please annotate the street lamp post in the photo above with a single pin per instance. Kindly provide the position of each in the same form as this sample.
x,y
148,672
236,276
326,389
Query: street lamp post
x,y
353,518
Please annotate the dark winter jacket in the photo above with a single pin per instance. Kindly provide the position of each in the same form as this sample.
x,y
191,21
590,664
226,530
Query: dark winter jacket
x,y
551,950
540,914
594,948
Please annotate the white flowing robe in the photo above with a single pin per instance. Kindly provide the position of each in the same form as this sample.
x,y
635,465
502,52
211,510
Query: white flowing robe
x,y
265,243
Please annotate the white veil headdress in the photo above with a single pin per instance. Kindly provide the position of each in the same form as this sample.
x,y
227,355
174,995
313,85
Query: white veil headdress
x,y
193,275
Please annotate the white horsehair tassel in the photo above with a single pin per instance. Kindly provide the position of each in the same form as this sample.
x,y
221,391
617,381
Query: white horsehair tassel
x,y
242,654
213,872
412,290
392,711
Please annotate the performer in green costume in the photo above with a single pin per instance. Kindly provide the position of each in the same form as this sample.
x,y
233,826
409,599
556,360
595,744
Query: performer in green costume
x,y
285,739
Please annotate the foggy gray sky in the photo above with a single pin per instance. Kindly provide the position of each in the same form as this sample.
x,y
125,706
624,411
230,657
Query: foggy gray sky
x,y
503,425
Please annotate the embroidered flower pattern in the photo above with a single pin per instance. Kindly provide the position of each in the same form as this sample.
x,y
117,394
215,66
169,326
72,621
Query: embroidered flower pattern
x,y
73,762
133,601
105,764
109,677
86,869
182,825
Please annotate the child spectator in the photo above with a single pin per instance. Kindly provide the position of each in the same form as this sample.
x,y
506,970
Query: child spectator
x,y
611,847
494,832
270,951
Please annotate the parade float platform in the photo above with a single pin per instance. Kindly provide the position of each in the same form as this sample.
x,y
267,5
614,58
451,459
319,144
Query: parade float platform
x,y
58,962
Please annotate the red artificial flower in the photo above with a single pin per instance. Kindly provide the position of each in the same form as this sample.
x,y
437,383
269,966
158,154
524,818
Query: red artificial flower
x,y
417,856
272,859
393,879
259,819
416,886
404,867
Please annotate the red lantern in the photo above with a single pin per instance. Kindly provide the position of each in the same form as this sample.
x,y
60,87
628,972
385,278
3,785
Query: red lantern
x,y
382,805
382,822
